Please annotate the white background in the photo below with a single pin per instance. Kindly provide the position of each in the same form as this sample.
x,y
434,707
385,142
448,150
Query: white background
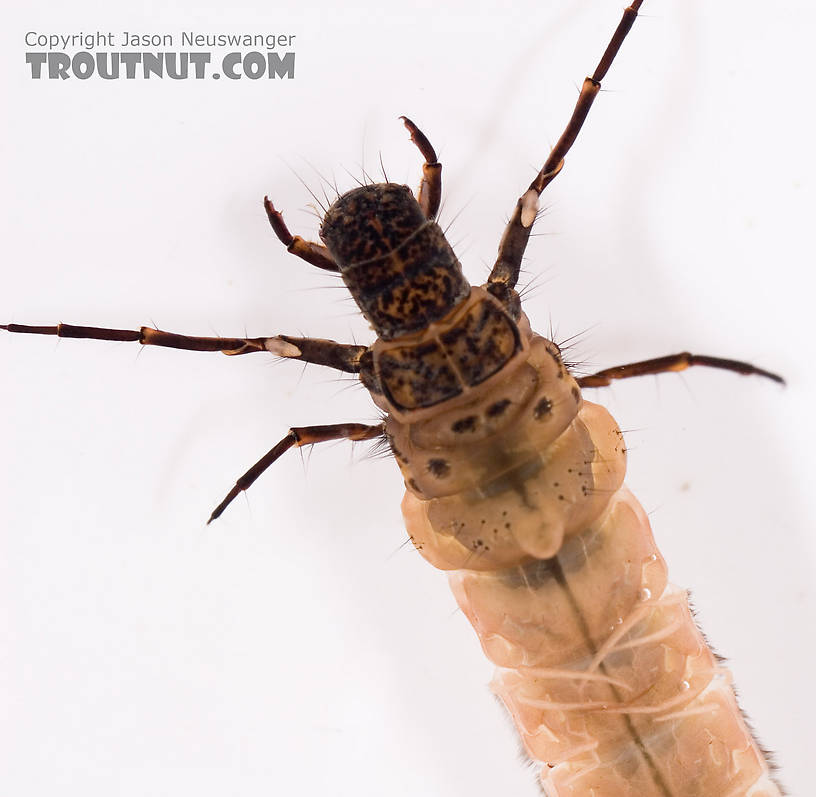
x,y
295,647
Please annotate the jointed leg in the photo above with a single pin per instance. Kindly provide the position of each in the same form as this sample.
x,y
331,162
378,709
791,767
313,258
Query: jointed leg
x,y
672,362
430,189
504,276
342,356
299,436
313,253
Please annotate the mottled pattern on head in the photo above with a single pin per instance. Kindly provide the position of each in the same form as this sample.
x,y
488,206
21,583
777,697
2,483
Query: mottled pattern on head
x,y
401,271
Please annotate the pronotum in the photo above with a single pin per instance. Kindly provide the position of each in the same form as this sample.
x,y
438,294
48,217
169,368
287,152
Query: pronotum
x,y
633,96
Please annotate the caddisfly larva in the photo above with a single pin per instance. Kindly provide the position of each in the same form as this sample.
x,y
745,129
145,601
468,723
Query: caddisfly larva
x,y
280,348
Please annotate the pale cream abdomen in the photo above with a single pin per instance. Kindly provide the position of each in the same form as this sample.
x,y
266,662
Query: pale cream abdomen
x,y
611,685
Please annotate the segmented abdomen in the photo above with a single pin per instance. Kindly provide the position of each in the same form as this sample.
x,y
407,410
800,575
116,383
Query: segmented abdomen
x,y
607,677
518,493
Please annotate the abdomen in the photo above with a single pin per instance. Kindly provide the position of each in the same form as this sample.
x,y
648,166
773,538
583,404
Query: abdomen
x,y
610,683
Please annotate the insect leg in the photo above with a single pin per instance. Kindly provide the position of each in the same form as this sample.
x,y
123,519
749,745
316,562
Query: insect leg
x,y
672,362
343,356
299,436
313,253
430,189
505,273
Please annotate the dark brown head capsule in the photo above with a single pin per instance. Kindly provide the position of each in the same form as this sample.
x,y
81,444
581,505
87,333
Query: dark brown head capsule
x,y
397,264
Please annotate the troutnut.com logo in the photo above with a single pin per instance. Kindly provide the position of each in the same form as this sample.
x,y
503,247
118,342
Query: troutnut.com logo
x,y
188,54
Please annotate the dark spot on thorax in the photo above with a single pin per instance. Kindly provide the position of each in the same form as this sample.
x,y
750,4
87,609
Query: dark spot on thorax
x,y
498,408
439,467
542,409
466,424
